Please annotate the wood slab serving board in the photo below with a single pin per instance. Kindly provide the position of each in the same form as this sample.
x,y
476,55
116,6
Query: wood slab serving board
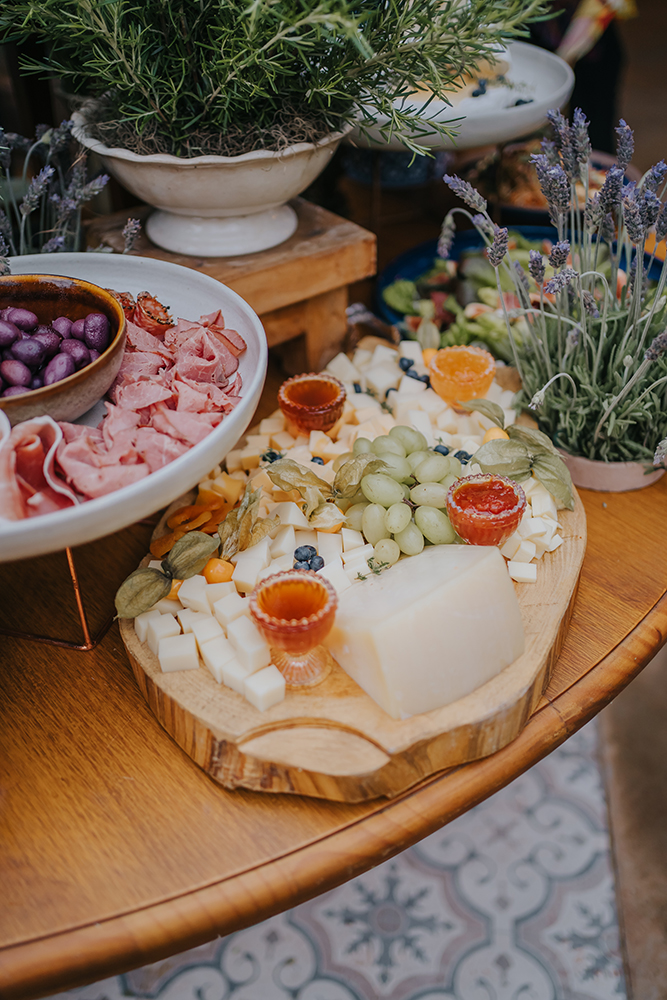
x,y
332,741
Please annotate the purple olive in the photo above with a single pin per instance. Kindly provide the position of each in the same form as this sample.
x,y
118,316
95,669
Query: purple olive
x,y
15,372
9,332
6,354
36,382
30,351
15,390
77,351
63,326
77,329
51,341
58,368
23,318
94,355
96,331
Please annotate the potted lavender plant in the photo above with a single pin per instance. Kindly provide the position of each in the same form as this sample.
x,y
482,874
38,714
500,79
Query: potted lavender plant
x,y
593,353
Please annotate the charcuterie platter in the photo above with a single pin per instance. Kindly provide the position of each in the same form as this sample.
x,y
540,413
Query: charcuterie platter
x,y
333,739
188,294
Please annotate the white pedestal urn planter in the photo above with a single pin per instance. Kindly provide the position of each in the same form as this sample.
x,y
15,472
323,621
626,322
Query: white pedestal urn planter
x,y
609,477
217,206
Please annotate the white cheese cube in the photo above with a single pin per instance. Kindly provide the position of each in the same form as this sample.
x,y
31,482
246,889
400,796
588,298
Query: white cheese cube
x,y
430,402
166,606
543,503
234,674
319,443
342,368
282,563
284,543
272,425
205,630
430,630
511,546
386,422
178,652
534,527
282,441
383,377
215,591
523,572
216,653
411,349
329,546
246,573
410,386
422,422
446,421
301,455
260,480
264,688
351,539
362,358
160,628
141,623
192,594
361,400
233,460
384,354
554,543
359,554
366,415
187,618
258,442
525,552
336,576
290,513
229,608
333,450
251,649
308,537
250,459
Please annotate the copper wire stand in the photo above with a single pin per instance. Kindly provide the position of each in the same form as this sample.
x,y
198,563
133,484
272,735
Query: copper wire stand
x,y
88,641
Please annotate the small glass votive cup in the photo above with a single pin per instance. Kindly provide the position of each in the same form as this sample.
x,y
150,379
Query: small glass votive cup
x,y
295,611
311,402
485,509
461,373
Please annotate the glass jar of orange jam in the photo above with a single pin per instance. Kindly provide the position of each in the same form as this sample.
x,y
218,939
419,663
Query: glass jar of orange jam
x,y
485,510
295,611
311,402
461,373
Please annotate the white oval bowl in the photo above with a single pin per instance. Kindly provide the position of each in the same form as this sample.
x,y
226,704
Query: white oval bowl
x,y
188,294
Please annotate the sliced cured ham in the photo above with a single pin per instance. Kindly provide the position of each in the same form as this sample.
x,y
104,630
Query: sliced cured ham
x,y
175,384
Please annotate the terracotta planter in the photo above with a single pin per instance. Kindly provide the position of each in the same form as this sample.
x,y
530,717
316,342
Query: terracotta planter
x,y
217,206
609,477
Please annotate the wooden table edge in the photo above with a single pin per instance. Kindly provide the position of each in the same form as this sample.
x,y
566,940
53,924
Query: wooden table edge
x,y
129,940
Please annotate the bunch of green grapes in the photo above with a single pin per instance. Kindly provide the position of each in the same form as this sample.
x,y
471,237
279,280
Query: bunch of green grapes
x,y
405,504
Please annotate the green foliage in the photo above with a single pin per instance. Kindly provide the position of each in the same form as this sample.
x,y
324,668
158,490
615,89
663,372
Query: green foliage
x,y
180,67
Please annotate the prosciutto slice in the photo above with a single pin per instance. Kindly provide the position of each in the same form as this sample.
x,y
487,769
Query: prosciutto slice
x,y
29,485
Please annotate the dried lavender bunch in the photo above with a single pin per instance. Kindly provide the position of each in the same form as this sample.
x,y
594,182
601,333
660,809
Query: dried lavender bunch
x,y
47,219
593,355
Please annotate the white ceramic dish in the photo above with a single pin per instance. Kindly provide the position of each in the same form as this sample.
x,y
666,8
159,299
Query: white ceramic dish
x,y
188,294
536,73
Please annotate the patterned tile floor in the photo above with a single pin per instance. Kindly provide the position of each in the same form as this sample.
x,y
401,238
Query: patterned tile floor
x,y
512,901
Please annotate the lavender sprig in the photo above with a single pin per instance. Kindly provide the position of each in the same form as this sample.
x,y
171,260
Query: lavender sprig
x,y
654,177
661,225
660,456
608,228
55,245
590,304
522,278
658,347
560,280
4,258
581,144
610,192
650,209
632,217
537,267
466,192
484,223
498,248
38,186
625,145
559,254
445,239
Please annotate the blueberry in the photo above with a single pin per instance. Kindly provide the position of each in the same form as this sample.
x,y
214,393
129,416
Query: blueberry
x,y
405,363
415,375
317,562
270,456
442,449
357,387
304,553
300,564
426,379
317,460
463,456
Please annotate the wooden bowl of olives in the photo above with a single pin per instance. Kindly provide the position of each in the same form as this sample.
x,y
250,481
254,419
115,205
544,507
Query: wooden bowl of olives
x,y
61,345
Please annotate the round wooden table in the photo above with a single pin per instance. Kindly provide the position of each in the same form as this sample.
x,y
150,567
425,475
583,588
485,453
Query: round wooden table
x,y
118,850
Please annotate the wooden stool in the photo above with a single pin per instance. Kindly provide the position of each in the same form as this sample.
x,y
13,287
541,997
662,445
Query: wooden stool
x,y
298,287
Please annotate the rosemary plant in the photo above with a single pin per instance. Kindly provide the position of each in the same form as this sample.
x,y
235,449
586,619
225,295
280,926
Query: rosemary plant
x,y
225,76
45,217
593,353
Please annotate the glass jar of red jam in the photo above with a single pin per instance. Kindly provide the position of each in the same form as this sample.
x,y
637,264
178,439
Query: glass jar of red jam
x,y
295,611
485,510
311,402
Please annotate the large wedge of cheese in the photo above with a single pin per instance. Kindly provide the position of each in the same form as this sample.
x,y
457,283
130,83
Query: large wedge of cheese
x,y
429,630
